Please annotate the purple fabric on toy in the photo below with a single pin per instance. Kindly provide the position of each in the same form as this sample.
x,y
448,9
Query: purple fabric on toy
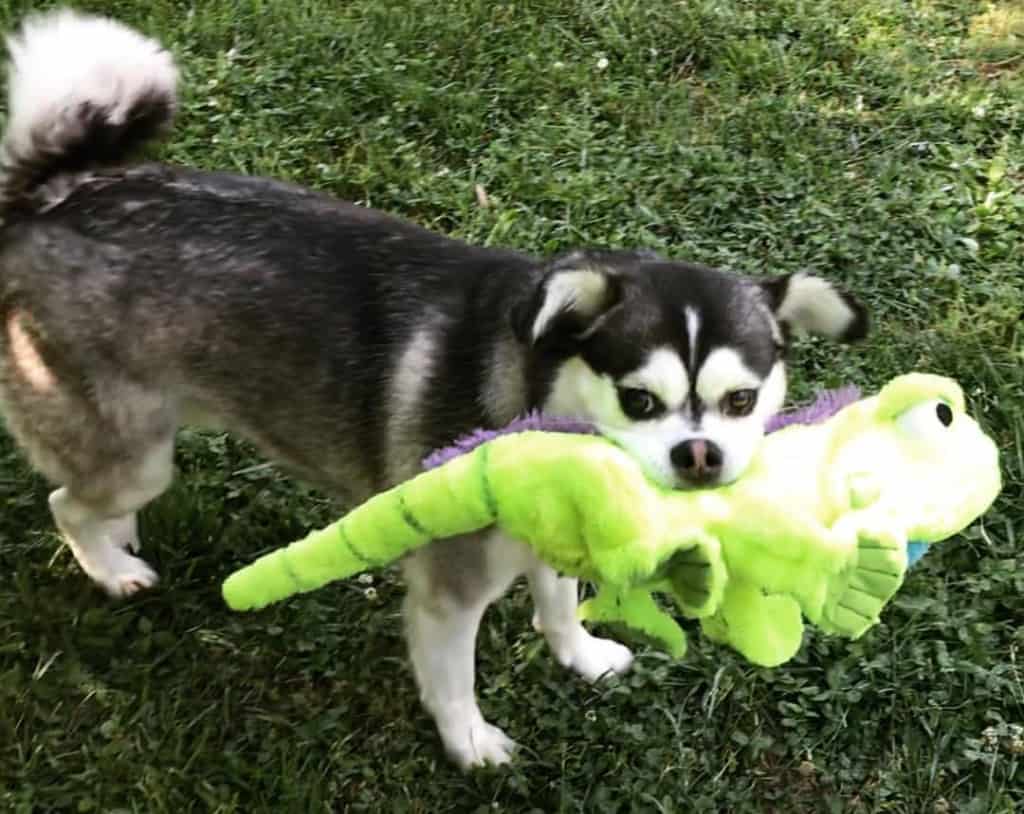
x,y
826,405
531,422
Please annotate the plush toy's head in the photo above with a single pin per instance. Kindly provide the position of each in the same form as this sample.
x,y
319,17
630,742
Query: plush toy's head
x,y
913,452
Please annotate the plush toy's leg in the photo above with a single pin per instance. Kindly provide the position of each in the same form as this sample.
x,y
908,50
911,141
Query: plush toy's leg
x,y
767,630
450,585
556,599
696,575
637,610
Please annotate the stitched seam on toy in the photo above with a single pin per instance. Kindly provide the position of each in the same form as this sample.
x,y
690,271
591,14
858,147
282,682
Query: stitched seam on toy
x,y
876,571
410,518
352,549
297,580
856,612
485,482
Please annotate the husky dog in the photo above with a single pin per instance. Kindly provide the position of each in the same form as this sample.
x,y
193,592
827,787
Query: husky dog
x,y
344,342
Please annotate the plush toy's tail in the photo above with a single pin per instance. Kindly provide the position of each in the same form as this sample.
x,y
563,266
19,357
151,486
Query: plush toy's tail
x,y
305,565
441,503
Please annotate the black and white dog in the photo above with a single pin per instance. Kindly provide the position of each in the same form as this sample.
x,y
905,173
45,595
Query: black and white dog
x,y
344,342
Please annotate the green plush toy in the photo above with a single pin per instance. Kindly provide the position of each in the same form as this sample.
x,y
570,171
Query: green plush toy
x,y
817,527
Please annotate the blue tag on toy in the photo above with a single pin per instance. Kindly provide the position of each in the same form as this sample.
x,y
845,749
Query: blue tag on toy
x,y
915,551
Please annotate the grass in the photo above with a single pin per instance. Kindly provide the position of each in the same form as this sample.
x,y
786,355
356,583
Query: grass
x,y
879,142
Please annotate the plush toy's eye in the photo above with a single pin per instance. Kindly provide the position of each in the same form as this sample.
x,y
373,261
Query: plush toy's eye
x,y
927,420
639,404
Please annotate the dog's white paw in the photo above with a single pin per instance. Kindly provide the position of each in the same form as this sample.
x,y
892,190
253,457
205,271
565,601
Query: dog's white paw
x,y
473,743
131,542
119,573
592,657
101,546
124,532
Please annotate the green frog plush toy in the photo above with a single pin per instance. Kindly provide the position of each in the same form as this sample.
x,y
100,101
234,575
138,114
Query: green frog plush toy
x,y
817,528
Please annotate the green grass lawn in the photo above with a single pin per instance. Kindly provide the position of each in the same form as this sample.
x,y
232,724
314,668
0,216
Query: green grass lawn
x,y
878,142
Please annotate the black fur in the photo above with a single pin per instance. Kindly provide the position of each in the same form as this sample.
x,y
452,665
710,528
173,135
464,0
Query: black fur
x,y
88,139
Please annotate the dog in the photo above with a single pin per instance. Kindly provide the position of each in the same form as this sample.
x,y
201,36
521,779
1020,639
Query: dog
x,y
345,343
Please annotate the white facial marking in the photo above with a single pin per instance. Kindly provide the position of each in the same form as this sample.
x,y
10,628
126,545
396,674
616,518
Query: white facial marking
x,y
581,393
650,443
664,375
692,331
813,305
739,436
722,372
582,291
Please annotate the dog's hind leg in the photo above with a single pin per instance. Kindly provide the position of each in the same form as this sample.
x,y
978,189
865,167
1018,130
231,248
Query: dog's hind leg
x,y
105,440
98,518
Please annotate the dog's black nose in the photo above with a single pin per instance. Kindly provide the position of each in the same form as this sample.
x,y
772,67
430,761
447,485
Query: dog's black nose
x,y
698,461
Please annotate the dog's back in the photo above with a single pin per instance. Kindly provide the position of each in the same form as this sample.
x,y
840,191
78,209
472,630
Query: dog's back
x,y
247,303
260,307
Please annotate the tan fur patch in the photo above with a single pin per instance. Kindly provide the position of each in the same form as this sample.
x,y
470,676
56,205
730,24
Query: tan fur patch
x,y
26,357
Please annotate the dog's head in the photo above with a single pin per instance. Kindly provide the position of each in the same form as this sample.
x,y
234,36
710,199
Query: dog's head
x,y
680,364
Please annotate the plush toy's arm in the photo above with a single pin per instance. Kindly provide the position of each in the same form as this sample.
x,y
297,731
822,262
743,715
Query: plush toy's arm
x,y
782,548
841,577
841,588
855,596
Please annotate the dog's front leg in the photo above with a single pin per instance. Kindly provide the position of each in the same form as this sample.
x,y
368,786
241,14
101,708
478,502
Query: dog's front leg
x,y
556,599
450,585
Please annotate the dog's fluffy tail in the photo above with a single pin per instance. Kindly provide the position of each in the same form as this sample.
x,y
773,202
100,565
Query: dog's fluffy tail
x,y
83,92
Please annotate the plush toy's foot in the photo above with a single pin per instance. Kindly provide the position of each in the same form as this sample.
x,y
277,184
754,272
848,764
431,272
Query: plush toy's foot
x,y
858,594
696,576
766,630
638,611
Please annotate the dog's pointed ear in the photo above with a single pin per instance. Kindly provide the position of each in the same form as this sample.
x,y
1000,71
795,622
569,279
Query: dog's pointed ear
x,y
568,305
803,303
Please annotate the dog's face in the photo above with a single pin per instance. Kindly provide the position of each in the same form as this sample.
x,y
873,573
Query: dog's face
x,y
681,365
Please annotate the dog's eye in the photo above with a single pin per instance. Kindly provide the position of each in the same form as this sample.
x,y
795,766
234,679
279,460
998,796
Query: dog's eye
x,y
638,404
739,402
